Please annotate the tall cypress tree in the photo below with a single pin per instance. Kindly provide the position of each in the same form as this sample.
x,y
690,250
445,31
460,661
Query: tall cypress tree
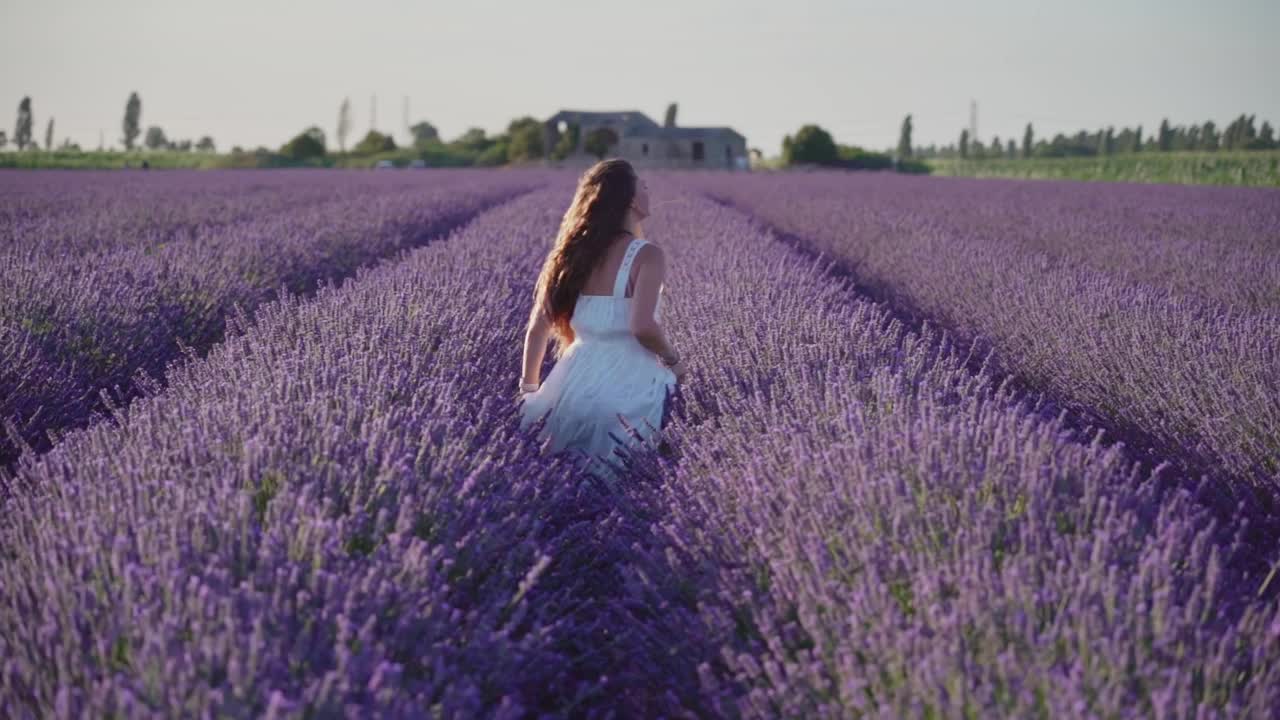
x,y
904,138
1165,136
132,120
1028,141
22,129
48,134
964,143
344,124
1208,136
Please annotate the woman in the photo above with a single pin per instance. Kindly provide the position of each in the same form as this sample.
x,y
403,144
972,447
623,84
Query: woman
x,y
599,297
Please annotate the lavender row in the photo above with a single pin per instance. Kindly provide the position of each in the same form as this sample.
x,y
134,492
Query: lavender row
x,y
55,214
1208,243
78,321
1153,311
332,513
880,531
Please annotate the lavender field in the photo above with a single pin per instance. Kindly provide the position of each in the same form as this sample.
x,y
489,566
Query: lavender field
x,y
948,449
106,278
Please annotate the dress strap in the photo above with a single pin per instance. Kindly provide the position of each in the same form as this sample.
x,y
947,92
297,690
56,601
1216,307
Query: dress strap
x,y
624,270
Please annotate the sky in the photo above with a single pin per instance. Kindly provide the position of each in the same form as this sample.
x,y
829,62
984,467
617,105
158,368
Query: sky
x,y
257,72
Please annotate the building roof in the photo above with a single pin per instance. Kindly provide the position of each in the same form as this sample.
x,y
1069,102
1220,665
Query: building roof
x,y
636,123
631,118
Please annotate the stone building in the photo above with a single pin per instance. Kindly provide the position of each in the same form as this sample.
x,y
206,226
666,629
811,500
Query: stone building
x,y
632,135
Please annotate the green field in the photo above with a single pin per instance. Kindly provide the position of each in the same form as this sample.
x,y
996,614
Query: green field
x,y
433,155
1256,167
102,160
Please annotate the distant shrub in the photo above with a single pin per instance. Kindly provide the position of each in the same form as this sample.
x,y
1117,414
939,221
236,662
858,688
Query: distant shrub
x,y
913,167
374,142
811,144
307,145
439,154
496,154
852,157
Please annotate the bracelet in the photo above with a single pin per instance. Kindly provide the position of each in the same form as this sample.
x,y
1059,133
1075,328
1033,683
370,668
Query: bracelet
x,y
528,387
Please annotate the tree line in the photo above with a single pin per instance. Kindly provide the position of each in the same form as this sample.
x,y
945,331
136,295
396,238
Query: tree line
x,y
1242,133
811,145
522,141
154,138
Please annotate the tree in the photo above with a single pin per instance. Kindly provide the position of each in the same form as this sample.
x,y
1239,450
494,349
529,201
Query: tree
x,y
155,139
22,129
374,142
997,147
964,143
48,134
1028,141
306,145
1233,135
1267,136
206,145
1137,139
495,154
474,139
4,140
1011,149
132,120
670,119
524,140
1191,138
1109,141
424,132
811,144
904,138
598,142
344,124
1165,136
1242,135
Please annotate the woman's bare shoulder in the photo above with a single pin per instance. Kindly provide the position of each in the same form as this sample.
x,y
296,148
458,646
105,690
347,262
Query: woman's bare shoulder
x,y
651,253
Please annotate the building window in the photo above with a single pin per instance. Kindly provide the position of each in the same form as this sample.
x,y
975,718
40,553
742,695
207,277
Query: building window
x,y
644,149
698,151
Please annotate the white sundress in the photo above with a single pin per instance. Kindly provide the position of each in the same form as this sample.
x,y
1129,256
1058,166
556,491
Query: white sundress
x,y
603,377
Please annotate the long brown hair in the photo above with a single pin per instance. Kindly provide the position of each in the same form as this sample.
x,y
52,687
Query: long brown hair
x,y
596,216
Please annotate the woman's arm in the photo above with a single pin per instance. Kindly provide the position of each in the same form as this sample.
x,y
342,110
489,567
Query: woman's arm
x,y
536,336
651,271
